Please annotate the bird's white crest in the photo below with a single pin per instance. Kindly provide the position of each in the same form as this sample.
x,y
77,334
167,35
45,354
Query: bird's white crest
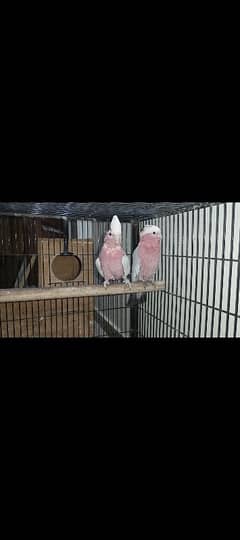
x,y
149,229
115,226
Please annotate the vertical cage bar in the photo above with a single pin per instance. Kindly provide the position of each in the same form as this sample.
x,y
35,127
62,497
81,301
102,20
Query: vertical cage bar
x,y
143,306
164,278
215,271
196,280
186,278
168,277
230,269
181,290
32,316
172,277
134,309
7,306
45,317
13,321
159,294
1,322
49,259
88,268
38,317
202,273
177,275
191,277
62,316
237,292
26,316
222,270
208,268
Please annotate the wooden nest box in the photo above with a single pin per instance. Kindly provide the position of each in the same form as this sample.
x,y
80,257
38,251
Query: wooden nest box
x,y
75,315
58,317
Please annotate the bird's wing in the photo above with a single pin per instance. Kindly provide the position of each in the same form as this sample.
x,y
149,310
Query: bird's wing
x,y
98,265
126,265
135,265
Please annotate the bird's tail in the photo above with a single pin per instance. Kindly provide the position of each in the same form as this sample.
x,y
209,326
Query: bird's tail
x,y
136,299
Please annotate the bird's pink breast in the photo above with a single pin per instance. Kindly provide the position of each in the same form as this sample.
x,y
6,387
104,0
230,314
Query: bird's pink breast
x,y
149,254
111,262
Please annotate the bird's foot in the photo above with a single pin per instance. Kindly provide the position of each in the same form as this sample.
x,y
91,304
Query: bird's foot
x,y
127,282
106,282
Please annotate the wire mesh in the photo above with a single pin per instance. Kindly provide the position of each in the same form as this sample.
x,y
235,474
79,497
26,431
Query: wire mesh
x,y
200,264
99,211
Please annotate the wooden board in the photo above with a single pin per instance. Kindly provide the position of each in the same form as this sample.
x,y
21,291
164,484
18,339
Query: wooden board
x,y
49,248
69,317
61,317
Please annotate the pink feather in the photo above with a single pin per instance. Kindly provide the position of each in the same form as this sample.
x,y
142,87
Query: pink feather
x,y
111,256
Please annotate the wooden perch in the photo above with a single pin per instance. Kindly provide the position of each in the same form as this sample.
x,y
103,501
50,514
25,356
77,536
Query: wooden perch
x,y
23,295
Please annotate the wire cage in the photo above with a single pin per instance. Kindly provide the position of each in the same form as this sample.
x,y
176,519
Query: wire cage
x,y
50,287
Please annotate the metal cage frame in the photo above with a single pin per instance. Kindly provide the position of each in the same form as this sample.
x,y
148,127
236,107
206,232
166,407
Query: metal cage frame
x,y
197,292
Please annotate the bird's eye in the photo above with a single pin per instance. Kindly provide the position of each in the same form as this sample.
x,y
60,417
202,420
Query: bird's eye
x,y
154,233
110,234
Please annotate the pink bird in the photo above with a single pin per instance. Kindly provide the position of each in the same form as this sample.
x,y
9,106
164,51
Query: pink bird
x,y
113,263
146,257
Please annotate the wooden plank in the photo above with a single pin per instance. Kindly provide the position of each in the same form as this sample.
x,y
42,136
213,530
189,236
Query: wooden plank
x,y
10,325
49,248
71,316
30,318
23,295
47,318
35,318
22,321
